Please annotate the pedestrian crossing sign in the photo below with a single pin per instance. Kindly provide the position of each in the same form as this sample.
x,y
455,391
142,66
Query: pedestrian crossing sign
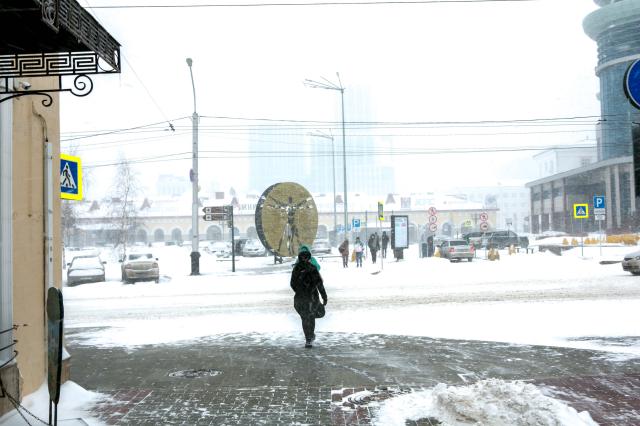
x,y
581,211
70,177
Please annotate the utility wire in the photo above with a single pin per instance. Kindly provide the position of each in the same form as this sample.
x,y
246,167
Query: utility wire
x,y
111,132
291,154
373,124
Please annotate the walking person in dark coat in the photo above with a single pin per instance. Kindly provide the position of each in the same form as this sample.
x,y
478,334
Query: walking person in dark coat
x,y
385,243
307,282
374,246
344,252
430,245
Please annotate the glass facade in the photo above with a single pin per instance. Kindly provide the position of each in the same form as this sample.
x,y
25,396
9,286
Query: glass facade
x,y
615,28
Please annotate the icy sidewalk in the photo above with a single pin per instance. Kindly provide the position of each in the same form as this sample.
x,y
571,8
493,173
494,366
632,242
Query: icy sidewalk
x,y
271,379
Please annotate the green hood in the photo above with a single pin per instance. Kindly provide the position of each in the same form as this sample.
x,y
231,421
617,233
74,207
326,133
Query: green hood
x,y
313,260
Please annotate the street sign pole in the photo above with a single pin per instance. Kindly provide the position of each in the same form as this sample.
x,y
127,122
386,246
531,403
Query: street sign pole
x,y
600,235
380,236
366,231
233,245
582,237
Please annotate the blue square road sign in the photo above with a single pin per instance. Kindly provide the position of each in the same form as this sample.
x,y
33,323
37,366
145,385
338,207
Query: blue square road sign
x,y
598,202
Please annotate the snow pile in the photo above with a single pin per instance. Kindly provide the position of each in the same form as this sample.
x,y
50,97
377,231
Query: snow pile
x,y
74,402
488,402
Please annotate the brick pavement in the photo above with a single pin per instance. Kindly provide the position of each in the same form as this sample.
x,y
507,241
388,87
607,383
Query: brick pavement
x,y
271,380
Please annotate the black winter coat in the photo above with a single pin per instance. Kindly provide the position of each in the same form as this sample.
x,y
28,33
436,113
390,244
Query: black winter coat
x,y
306,282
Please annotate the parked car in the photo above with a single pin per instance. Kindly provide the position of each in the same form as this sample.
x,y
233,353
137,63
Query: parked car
x,y
140,266
215,246
85,269
631,263
225,251
456,250
238,245
503,239
321,246
253,248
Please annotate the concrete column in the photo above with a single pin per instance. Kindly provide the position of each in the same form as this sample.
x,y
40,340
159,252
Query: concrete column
x,y
563,208
607,193
616,180
553,207
531,209
541,208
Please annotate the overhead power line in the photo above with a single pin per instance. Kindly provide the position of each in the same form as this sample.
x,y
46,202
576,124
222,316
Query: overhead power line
x,y
115,131
549,121
300,4
231,155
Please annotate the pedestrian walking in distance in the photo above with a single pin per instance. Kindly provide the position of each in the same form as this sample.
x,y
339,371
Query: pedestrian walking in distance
x,y
385,243
374,246
306,282
359,249
344,252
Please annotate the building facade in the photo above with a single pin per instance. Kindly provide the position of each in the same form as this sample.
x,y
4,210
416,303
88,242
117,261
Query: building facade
x,y
512,204
614,26
26,127
553,197
40,42
168,221
558,160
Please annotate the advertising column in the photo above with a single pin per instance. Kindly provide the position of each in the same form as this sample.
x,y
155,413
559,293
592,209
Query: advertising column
x,y
399,235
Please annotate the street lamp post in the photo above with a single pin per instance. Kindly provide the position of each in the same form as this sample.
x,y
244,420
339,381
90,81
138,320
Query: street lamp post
x,y
329,85
333,160
195,236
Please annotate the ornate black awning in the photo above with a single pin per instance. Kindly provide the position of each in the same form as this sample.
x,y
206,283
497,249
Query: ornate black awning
x,y
41,38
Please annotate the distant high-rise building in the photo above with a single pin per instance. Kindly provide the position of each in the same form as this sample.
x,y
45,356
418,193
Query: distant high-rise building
x,y
615,26
289,153
172,186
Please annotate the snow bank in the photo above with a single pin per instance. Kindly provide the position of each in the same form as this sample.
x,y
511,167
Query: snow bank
x,y
75,402
488,402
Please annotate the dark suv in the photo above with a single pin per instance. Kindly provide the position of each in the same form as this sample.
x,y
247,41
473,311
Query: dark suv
x,y
503,239
474,238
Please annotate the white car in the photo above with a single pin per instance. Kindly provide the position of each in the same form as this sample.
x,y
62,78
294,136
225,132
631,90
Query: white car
x,y
140,267
631,263
253,248
216,246
225,251
321,246
85,269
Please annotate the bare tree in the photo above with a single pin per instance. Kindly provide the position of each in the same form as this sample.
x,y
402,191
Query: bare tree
x,y
69,220
122,208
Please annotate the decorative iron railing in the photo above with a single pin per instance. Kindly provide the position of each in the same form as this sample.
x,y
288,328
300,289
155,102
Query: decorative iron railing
x,y
93,50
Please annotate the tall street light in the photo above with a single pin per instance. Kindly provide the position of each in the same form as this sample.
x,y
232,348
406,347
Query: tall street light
x,y
195,237
333,160
329,85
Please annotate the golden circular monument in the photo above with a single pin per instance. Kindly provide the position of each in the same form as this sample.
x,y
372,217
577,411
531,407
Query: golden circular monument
x,y
286,218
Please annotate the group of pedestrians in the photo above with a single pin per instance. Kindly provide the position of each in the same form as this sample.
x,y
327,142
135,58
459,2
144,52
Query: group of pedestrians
x,y
375,243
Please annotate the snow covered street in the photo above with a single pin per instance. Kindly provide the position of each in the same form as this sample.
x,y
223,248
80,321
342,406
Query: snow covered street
x,y
420,340
526,298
